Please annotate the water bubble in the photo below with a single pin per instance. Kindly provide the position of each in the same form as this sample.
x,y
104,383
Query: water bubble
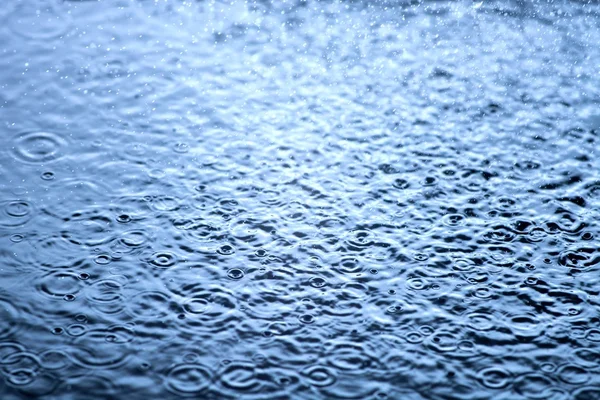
x,y
38,147
401,184
47,176
261,253
306,319
226,250
123,218
317,282
429,181
235,273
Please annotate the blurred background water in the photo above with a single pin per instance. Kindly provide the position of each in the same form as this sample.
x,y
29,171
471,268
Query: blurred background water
x,y
299,199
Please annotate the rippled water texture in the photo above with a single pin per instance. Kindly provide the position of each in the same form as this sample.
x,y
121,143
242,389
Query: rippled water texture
x,y
299,200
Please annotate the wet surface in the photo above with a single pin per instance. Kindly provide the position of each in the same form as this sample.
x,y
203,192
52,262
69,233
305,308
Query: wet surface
x,y
307,200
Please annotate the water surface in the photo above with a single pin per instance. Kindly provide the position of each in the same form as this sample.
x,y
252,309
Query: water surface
x,y
299,200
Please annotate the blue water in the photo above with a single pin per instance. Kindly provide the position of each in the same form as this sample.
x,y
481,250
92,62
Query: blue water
x,y
299,200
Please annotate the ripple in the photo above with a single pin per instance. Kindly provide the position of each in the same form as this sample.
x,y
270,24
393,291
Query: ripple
x,y
240,376
134,238
188,379
494,378
319,375
579,259
60,284
39,22
106,296
588,358
361,238
348,357
9,319
38,147
149,305
163,259
586,393
94,349
54,359
444,341
226,250
533,386
15,213
573,375
317,282
235,273
480,321
454,220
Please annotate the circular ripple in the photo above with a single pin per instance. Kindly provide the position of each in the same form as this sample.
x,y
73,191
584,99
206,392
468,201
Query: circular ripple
x,y
38,147
163,259
59,284
39,21
188,379
239,376
480,321
15,213
319,375
360,239
133,239
533,386
494,378
588,358
573,375
102,348
579,258
9,319
454,220
149,305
